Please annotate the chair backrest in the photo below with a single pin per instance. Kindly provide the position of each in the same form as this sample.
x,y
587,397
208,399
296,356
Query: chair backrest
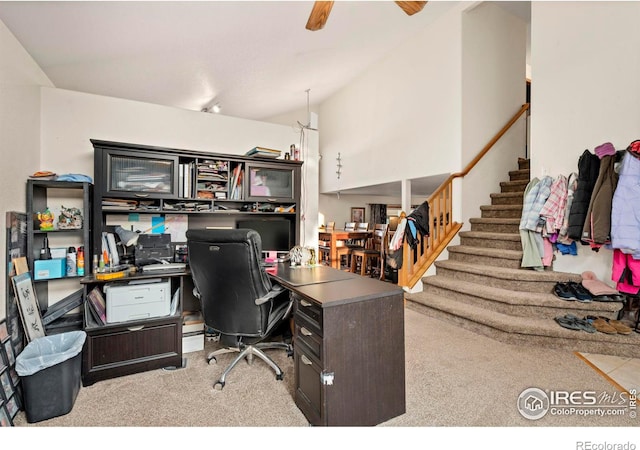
x,y
227,272
362,226
379,235
350,226
393,223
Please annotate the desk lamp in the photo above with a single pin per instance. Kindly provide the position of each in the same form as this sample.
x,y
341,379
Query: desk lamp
x,y
127,237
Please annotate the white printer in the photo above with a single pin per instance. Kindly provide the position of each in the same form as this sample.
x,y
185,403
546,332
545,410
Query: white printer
x,y
137,300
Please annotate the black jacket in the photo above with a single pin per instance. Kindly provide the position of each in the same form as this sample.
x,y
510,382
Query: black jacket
x,y
588,169
420,218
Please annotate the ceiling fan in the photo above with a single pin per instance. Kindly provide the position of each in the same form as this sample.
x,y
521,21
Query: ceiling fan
x,y
321,10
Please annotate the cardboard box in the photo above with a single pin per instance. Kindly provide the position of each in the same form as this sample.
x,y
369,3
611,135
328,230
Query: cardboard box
x,y
192,342
46,269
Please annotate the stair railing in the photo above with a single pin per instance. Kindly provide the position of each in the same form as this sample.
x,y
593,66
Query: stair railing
x,y
442,228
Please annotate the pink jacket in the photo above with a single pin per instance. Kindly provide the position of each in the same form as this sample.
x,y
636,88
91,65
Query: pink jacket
x,y
626,272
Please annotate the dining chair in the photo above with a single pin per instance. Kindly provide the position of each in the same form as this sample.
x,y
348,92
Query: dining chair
x,y
324,243
370,258
342,247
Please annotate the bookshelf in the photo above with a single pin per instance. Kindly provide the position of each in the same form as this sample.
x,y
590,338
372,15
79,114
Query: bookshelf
x,y
53,195
133,183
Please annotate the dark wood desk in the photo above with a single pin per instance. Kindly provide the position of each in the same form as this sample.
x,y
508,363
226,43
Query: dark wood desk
x,y
348,346
123,348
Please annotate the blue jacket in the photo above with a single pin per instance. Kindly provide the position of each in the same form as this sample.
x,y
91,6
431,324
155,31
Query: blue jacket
x,y
625,208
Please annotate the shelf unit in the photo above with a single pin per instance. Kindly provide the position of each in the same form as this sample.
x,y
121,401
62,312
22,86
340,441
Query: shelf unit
x,y
212,190
181,178
43,194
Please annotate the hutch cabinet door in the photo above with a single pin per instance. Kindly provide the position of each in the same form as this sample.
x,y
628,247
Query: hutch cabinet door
x,y
140,175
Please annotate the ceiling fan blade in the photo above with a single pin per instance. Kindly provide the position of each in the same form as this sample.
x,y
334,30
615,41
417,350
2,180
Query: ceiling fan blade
x,y
411,7
319,15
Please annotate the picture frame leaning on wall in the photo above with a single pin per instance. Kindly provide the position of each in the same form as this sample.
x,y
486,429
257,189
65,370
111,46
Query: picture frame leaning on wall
x,y
28,306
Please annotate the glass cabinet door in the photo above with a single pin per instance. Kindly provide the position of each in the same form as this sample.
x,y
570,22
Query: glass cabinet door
x,y
141,176
269,183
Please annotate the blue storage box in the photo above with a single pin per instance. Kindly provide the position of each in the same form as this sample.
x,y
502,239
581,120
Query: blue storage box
x,y
45,269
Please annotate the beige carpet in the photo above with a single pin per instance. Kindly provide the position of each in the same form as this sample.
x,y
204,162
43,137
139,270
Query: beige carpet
x,y
454,378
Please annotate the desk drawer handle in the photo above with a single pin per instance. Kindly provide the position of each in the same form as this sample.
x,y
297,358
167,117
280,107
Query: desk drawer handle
x,y
305,360
305,303
136,328
306,332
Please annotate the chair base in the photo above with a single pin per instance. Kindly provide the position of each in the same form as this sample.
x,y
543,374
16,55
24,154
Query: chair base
x,y
248,352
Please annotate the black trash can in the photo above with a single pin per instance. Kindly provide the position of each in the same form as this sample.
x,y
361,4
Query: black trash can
x,y
50,369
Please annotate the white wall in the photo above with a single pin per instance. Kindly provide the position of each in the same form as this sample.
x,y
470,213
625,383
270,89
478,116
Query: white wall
x,y
431,106
493,90
70,119
20,78
401,118
585,91
337,209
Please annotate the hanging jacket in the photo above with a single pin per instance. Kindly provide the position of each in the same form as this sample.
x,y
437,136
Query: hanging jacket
x,y
572,185
625,272
554,207
418,224
597,226
534,201
588,169
625,221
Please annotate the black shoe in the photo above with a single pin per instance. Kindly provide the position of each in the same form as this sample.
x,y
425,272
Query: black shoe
x,y
581,293
563,291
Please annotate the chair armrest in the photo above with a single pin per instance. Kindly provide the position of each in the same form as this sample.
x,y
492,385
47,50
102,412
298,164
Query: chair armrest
x,y
276,290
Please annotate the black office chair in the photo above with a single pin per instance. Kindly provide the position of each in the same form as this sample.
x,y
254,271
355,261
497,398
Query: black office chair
x,y
236,295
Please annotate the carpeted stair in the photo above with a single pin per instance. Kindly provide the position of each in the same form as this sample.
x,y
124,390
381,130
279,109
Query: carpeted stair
x,y
481,287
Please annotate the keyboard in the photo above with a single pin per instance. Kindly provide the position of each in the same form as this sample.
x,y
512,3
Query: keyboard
x,y
162,267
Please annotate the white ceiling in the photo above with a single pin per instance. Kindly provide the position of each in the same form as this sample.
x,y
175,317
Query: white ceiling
x,y
253,57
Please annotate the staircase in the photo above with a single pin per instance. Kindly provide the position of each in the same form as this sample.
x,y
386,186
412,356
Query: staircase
x,y
482,288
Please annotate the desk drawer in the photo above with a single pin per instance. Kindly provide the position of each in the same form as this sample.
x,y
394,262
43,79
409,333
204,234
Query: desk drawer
x,y
112,351
310,339
309,312
309,393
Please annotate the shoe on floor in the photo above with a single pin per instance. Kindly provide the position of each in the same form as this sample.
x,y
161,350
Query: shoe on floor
x,y
568,323
620,327
581,294
602,326
562,291
572,322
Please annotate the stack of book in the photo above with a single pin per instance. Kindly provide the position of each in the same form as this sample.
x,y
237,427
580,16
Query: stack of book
x,y
192,331
235,186
264,152
97,306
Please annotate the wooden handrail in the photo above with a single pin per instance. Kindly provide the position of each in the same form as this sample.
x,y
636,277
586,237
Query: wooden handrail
x,y
491,143
443,228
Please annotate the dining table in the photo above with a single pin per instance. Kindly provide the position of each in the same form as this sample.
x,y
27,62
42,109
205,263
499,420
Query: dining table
x,y
338,238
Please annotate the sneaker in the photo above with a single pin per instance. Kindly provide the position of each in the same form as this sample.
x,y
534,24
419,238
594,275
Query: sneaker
x,y
562,291
580,292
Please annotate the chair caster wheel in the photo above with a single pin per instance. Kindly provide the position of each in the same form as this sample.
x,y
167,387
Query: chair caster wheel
x,y
213,358
280,376
290,353
219,385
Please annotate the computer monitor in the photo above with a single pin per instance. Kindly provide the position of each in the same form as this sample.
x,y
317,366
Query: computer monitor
x,y
275,234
